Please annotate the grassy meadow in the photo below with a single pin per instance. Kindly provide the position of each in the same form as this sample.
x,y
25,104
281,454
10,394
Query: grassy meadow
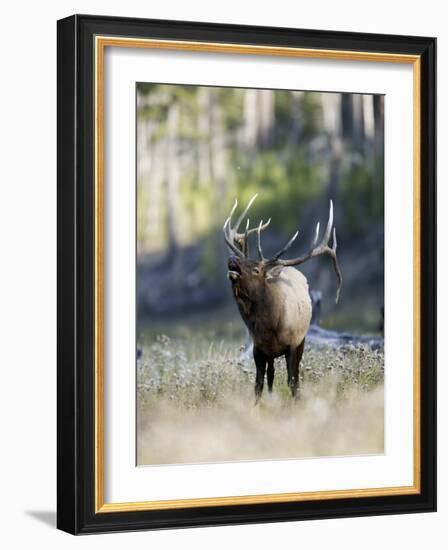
x,y
196,400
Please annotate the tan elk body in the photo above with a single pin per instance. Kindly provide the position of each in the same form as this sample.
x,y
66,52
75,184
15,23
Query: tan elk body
x,y
273,297
283,314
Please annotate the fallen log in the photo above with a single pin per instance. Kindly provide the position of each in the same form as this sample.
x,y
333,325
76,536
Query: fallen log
x,y
319,336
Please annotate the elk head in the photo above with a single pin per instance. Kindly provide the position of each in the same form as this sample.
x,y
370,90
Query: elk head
x,y
249,277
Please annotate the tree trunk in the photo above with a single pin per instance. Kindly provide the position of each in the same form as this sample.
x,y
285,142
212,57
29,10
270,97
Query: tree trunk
x,y
250,114
172,173
266,106
204,169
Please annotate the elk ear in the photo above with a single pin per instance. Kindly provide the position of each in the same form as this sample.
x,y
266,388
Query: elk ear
x,y
274,272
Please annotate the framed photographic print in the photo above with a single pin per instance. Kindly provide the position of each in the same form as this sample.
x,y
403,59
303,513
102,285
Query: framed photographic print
x,y
246,274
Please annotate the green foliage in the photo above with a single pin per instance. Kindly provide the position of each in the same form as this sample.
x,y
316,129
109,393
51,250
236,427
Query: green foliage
x,y
311,114
284,115
297,114
362,194
231,102
284,183
142,205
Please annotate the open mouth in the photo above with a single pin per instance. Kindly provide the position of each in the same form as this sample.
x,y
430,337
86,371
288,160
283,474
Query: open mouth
x,y
234,270
233,274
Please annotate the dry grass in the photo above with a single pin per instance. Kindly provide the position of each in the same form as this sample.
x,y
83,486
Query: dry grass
x,y
196,404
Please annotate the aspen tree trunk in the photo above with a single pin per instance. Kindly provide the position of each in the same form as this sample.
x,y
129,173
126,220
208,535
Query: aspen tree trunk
x,y
250,114
172,179
154,179
266,116
334,109
204,137
218,163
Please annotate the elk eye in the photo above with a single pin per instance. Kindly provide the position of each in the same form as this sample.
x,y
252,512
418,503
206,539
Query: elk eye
x,y
256,270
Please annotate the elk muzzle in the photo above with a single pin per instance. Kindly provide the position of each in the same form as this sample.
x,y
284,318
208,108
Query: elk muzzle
x,y
234,269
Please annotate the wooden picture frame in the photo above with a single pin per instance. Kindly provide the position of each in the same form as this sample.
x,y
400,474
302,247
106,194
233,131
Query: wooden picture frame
x,y
82,40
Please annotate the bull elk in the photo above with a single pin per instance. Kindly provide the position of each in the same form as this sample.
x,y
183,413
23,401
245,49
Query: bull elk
x,y
273,297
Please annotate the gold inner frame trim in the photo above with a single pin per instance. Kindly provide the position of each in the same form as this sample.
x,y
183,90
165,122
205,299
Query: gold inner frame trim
x,y
101,42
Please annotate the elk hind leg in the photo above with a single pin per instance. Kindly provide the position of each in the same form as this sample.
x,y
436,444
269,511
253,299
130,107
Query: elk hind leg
x,y
270,374
293,358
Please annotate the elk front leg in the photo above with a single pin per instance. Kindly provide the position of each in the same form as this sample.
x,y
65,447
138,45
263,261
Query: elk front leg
x,y
293,357
260,362
270,374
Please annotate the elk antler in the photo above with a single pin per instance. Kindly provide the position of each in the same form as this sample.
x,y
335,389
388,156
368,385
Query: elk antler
x,y
316,250
238,242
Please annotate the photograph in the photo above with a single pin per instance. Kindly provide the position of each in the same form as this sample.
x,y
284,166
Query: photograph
x,y
259,274
246,274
